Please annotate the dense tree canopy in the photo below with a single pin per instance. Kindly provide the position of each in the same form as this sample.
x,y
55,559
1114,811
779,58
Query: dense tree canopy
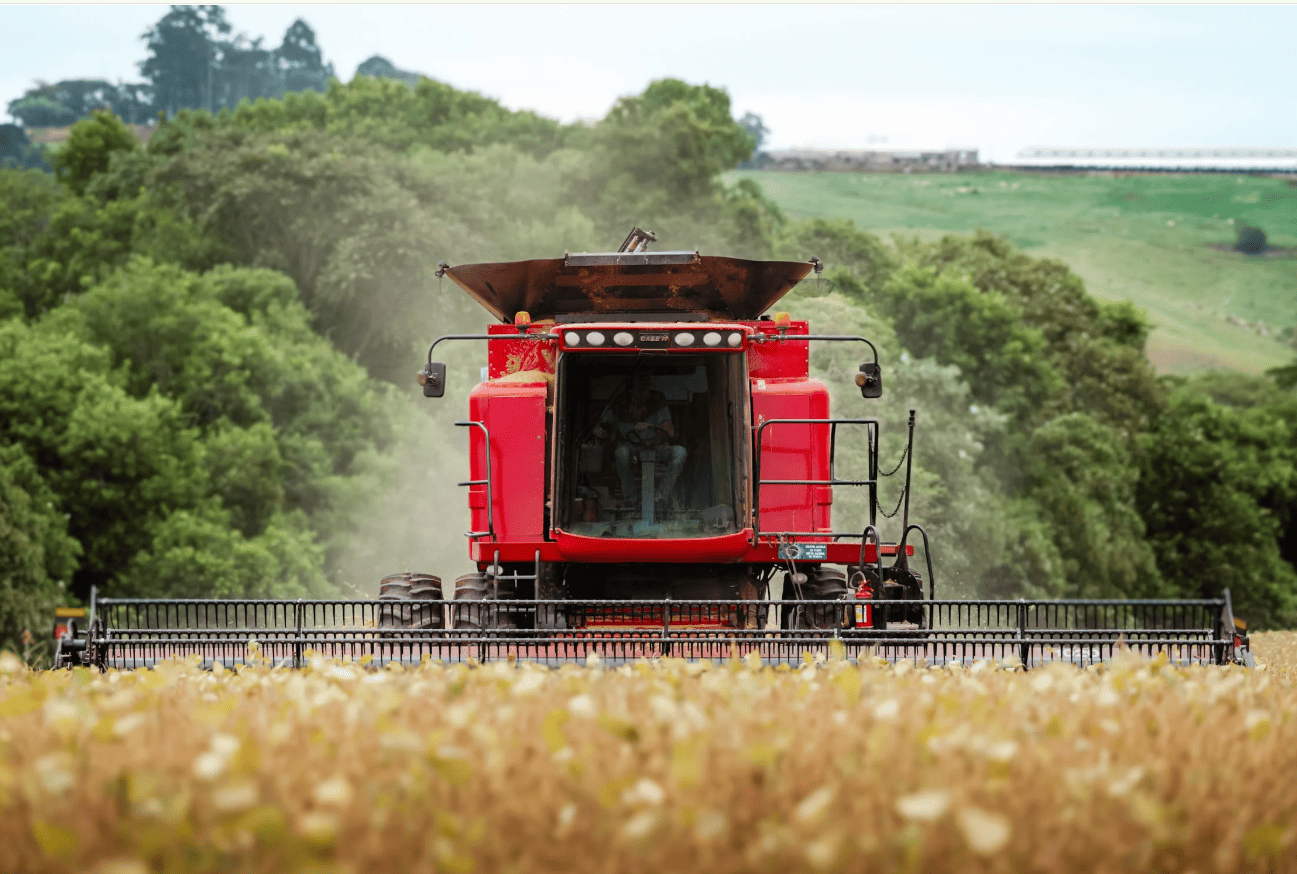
x,y
183,52
163,403
89,149
37,556
66,101
194,61
17,152
1103,480
1218,492
182,408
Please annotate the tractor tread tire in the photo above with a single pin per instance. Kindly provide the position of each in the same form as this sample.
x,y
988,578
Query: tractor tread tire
x,y
407,601
823,583
474,607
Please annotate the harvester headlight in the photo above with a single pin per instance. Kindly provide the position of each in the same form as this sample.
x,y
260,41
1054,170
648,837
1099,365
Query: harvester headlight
x,y
685,339
735,340
623,338
572,338
594,338
711,338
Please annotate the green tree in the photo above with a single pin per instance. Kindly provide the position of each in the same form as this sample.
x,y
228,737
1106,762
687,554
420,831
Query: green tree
x,y
66,101
82,242
162,404
89,147
668,145
1230,388
234,349
245,71
38,111
1097,349
839,244
17,151
29,199
183,54
114,461
973,524
380,67
198,554
360,233
301,60
1217,489
1251,239
756,129
982,333
1080,475
751,220
37,557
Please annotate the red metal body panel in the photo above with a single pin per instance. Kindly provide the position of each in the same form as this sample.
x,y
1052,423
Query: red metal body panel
x,y
793,452
515,356
779,359
765,552
728,548
514,413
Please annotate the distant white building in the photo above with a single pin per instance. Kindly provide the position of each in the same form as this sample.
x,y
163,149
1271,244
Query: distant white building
x,y
845,160
1205,160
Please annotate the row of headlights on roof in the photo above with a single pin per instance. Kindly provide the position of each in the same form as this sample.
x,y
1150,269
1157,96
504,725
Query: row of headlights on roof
x,y
653,339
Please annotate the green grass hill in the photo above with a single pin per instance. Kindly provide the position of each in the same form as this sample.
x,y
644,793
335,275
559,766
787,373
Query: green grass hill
x,y
1161,241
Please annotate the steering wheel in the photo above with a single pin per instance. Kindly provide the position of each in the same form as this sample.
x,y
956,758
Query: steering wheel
x,y
650,438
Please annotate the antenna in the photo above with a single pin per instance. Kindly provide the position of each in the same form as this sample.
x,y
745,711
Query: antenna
x,y
637,240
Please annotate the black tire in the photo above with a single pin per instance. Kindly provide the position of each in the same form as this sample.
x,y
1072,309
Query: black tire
x,y
552,586
394,597
411,600
476,605
823,583
427,609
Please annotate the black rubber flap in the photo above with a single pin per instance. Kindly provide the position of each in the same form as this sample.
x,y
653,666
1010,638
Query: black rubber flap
x,y
623,282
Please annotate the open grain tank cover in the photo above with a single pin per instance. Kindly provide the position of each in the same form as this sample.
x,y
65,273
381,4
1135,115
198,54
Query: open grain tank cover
x,y
630,282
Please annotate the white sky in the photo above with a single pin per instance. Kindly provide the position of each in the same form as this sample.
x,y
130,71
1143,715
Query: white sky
x,y
997,78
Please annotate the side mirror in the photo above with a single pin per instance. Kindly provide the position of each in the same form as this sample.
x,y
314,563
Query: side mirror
x,y
433,379
870,380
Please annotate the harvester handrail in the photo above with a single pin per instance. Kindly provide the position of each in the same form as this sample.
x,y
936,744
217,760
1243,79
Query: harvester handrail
x,y
490,490
782,336
140,632
872,428
521,335
1091,637
1093,602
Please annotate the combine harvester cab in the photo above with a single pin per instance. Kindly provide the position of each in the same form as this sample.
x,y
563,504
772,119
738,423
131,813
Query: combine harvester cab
x,y
652,474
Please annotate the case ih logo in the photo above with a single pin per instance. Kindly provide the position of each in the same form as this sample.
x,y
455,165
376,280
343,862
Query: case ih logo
x,y
654,339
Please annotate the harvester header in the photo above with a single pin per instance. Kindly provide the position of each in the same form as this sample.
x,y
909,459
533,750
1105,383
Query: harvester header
x,y
653,471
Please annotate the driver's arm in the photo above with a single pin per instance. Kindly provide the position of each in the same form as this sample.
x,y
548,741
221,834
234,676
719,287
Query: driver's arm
x,y
662,418
606,424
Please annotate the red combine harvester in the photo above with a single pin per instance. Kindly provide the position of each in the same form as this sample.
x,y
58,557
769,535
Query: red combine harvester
x,y
652,474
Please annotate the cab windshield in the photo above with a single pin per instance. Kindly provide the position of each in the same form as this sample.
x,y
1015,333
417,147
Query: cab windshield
x,y
650,445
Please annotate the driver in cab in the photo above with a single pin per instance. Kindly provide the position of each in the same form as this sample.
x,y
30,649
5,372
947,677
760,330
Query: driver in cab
x,y
641,420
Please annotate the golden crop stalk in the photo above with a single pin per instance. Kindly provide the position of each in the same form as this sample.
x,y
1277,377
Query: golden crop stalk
x,y
1134,766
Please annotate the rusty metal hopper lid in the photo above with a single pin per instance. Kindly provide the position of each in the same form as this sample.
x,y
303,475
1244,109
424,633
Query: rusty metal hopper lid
x,y
630,282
